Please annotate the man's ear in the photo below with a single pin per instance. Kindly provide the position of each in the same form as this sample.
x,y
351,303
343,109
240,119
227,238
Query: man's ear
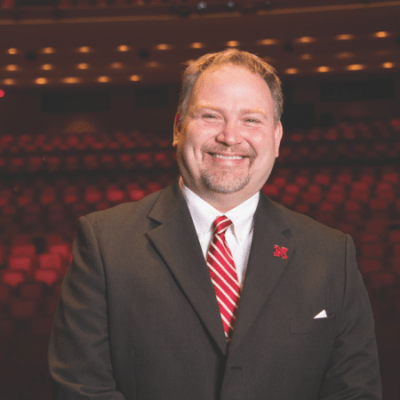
x,y
177,126
278,137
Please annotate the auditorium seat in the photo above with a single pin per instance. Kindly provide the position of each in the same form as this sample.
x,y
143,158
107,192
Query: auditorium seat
x,y
114,194
380,279
4,293
92,195
20,263
20,249
367,265
48,276
13,278
22,308
50,260
31,290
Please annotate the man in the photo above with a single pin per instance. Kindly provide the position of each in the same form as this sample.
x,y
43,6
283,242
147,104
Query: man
x,y
208,290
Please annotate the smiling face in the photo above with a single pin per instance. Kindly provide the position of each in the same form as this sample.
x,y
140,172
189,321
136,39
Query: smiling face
x,y
227,142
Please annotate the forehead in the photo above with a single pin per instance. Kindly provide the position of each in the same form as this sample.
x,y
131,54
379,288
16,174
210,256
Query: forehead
x,y
233,84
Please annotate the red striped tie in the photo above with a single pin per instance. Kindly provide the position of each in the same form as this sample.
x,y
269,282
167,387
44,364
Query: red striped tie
x,y
223,274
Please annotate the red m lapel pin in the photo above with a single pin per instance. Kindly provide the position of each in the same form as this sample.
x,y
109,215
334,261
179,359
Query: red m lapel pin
x,y
280,251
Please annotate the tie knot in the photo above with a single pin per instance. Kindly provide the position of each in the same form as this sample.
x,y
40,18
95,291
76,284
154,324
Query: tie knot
x,y
221,224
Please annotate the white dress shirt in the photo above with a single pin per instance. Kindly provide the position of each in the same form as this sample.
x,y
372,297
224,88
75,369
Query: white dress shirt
x,y
239,235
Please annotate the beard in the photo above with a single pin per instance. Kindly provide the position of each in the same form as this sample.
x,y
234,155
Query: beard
x,y
226,180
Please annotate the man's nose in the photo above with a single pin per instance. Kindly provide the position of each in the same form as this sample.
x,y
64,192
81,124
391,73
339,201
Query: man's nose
x,y
230,134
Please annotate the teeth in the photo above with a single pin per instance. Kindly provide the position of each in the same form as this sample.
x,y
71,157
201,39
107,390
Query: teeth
x,y
228,157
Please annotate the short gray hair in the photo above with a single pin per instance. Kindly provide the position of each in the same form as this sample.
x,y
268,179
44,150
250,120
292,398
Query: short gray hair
x,y
235,57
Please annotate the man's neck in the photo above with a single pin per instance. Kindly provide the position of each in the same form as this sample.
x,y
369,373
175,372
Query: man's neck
x,y
220,201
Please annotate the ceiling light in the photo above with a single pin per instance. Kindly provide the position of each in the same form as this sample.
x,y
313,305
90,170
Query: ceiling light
x,y
47,67
153,64
323,69
201,6
84,49
232,43
48,50
12,51
189,62
71,80
306,56
344,37
82,66
388,65
292,71
9,81
135,78
344,54
305,39
355,67
123,48
41,81
197,45
381,34
267,42
103,79
116,65
12,67
163,46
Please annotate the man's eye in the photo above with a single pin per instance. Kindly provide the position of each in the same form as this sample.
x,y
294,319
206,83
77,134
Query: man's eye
x,y
208,116
252,120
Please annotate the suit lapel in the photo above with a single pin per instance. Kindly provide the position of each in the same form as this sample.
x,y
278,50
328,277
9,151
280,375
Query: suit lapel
x,y
264,268
176,241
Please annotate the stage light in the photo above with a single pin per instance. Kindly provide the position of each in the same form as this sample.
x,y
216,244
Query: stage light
x,y
197,45
344,37
84,49
355,67
83,66
41,81
123,48
201,5
71,80
48,50
163,46
47,67
388,65
267,42
135,78
230,5
381,34
12,67
232,43
323,69
344,54
305,39
2,93
12,51
9,81
103,79
292,71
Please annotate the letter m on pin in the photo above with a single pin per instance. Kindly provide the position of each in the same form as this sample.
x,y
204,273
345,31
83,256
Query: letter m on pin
x,y
280,251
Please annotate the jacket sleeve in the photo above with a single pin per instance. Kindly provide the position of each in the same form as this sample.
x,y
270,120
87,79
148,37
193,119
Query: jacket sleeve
x,y
353,369
79,350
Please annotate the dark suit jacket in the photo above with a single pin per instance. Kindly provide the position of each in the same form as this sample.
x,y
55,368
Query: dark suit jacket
x,y
138,318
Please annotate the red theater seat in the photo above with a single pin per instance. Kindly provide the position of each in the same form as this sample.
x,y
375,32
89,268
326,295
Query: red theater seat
x,y
50,260
48,276
370,265
136,194
92,195
48,196
13,278
4,293
378,280
270,190
31,290
22,308
114,194
20,263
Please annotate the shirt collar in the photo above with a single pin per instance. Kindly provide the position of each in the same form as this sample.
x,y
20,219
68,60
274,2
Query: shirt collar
x,y
204,214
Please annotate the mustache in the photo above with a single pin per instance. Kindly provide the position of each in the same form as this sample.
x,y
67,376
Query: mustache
x,y
234,150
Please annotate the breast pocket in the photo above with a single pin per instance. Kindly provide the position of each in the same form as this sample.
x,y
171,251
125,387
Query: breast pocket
x,y
310,325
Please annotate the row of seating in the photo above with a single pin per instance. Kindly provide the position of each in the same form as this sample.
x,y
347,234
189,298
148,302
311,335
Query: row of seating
x,y
345,132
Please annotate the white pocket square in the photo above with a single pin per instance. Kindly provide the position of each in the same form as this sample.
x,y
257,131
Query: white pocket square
x,y
322,314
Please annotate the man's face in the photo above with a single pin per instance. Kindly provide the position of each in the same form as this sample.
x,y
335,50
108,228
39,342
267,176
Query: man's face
x,y
228,141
